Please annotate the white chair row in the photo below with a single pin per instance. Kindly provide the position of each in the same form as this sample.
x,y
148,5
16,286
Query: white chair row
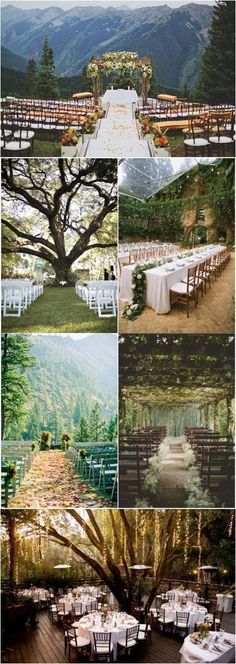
x,y
100,297
16,299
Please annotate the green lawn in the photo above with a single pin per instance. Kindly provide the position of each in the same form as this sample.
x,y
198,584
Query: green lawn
x,y
46,149
59,310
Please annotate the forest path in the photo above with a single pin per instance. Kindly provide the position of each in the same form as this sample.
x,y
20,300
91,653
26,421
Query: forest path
x,y
117,135
173,473
51,482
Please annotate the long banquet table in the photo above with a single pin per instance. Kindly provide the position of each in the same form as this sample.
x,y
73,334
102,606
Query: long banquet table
x,y
117,625
195,653
160,279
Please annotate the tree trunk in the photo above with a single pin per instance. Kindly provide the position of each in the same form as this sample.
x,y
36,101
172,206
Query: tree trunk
x,y
63,273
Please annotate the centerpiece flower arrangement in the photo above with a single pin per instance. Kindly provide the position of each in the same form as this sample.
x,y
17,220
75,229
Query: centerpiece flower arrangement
x,y
69,137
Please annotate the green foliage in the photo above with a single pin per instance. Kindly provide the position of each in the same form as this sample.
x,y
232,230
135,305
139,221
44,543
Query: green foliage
x,y
46,80
95,429
16,389
31,78
216,82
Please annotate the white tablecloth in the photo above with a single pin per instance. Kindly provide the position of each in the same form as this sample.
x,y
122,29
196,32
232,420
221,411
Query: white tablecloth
x,y
225,602
196,613
92,623
160,279
181,593
83,600
192,653
120,97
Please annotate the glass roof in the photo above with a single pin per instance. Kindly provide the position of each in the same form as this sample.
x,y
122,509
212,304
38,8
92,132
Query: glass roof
x,y
142,178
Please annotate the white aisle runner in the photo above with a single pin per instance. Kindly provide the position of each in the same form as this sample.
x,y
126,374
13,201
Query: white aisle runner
x,y
117,135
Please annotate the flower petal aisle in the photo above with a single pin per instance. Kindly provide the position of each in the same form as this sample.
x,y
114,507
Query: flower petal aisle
x,y
51,482
117,135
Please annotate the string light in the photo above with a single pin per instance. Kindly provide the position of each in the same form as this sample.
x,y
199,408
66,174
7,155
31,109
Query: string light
x,y
178,527
136,531
186,542
199,530
157,550
231,523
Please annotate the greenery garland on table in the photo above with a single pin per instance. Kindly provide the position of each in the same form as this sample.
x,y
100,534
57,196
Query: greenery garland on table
x,y
139,282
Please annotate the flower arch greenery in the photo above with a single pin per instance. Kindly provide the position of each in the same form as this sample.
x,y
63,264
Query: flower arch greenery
x,y
122,62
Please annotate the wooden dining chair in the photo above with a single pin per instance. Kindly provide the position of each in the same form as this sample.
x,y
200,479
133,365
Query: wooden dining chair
x,y
184,291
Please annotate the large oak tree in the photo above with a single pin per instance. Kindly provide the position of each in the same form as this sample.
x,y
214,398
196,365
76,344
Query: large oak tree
x,y
57,210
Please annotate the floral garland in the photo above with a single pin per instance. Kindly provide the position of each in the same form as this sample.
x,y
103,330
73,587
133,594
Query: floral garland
x,y
138,302
120,61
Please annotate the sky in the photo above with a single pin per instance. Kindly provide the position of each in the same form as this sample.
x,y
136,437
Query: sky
x,y
68,4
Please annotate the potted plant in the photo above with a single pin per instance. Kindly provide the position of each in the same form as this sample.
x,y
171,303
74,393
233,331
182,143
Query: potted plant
x,y
44,443
69,143
162,144
11,470
65,441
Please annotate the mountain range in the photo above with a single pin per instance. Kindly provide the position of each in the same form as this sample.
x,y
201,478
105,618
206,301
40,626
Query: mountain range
x,y
174,38
72,375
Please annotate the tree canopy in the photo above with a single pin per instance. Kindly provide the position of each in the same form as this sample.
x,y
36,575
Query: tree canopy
x,y
58,210
110,542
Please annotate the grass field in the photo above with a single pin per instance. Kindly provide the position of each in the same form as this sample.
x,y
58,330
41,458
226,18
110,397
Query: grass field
x,y
46,149
59,310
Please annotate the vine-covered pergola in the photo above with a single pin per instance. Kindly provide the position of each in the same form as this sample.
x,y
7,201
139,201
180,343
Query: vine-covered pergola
x,y
126,64
161,376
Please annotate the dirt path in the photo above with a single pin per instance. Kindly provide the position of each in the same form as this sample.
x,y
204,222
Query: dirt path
x,y
51,482
173,474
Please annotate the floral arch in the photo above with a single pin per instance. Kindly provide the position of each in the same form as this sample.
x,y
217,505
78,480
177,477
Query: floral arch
x,y
124,63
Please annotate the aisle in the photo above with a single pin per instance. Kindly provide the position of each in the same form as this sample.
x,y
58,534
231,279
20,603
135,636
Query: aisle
x,y
117,135
173,473
51,482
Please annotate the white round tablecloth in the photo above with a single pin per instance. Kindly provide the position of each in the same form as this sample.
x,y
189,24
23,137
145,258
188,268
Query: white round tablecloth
x,y
196,613
160,279
92,623
182,593
84,600
192,653
225,602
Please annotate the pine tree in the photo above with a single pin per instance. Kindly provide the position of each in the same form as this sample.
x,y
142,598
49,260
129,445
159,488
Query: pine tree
x,y
82,434
47,83
16,360
31,78
216,82
96,425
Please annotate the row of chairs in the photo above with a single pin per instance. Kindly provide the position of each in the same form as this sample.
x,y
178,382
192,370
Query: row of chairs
x,y
100,297
179,108
98,468
198,278
214,459
21,455
180,624
208,134
18,295
135,451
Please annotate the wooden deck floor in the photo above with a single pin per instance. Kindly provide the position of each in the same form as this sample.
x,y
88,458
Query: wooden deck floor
x,y
45,644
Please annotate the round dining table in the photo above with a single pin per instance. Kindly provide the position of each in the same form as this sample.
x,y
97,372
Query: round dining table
x,y
196,612
217,647
117,623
